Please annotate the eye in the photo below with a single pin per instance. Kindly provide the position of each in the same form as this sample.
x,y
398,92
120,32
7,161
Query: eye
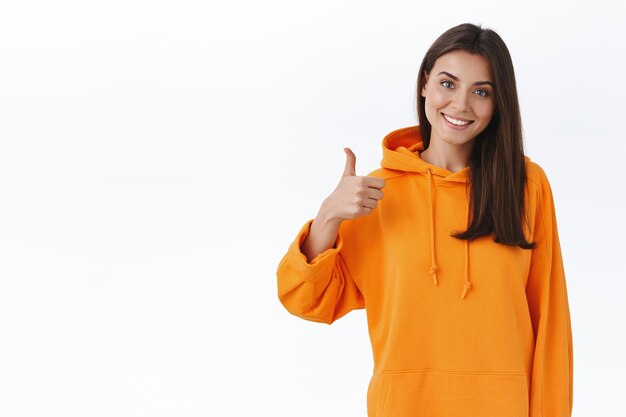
x,y
483,91
444,82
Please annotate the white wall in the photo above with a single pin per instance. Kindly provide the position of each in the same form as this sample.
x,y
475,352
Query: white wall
x,y
157,157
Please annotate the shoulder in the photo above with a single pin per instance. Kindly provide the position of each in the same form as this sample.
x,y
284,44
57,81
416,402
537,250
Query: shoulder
x,y
536,175
538,186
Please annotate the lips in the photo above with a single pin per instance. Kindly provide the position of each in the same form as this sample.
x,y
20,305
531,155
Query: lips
x,y
454,126
457,118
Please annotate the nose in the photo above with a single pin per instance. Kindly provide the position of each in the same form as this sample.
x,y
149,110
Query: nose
x,y
460,101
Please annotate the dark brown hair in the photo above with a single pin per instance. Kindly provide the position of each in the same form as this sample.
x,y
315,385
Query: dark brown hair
x,y
497,169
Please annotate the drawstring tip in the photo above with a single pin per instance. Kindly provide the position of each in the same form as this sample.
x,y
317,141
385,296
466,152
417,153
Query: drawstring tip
x,y
433,270
466,288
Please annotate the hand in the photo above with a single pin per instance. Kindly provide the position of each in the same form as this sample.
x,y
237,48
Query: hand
x,y
355,195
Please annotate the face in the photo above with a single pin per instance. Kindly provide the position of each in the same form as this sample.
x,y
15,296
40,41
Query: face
x,y
456,88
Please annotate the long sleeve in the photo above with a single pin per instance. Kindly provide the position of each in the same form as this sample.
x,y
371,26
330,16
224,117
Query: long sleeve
x,y
552,375
321,290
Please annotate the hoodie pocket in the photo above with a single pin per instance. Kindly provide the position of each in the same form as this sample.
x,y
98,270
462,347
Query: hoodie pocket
x,y
432,393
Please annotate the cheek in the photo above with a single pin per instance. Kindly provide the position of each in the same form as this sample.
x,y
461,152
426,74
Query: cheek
x,y
485,109
434,102
436,99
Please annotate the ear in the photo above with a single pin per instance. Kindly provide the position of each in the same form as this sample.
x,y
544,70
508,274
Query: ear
x,y
425,82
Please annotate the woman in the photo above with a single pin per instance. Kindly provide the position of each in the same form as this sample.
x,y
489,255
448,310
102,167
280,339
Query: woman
x,y
458,262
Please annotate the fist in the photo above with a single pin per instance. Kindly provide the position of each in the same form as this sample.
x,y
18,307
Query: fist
x,y
355,195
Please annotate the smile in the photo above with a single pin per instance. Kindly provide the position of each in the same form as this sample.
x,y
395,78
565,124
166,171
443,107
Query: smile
x,y
457,122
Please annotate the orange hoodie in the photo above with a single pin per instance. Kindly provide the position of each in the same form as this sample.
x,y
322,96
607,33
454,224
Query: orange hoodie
x,y
458,328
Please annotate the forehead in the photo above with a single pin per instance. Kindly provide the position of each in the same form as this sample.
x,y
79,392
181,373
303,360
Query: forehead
x,y
465,65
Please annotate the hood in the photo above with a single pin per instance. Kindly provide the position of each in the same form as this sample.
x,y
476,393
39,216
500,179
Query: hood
x,y
399,154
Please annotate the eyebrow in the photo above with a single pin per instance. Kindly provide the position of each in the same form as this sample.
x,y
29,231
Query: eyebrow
x,y
457,79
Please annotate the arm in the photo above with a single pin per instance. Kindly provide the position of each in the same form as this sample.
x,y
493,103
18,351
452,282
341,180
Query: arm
x,y
321,236
552,377
321,289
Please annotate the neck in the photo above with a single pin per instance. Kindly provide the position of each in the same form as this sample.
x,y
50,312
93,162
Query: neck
x,y
444,155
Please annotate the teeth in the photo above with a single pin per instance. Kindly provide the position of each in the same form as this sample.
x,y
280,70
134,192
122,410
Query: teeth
x,y
456,122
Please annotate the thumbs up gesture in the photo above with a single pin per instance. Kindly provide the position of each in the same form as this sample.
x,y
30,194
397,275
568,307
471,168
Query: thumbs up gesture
x,y
355,195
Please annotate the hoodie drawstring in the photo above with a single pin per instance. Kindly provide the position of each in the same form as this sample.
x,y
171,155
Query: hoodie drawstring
x,y
468,283
433,268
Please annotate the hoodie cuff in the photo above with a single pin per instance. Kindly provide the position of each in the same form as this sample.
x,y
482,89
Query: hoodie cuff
x,y
322,265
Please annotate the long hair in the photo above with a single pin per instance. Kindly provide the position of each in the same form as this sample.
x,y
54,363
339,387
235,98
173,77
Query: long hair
x,y
497,168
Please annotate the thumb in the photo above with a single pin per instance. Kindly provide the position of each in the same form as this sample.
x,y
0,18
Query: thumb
x,y
350,168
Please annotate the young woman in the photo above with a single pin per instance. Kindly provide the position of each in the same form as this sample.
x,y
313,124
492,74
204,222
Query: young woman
x,y
458,262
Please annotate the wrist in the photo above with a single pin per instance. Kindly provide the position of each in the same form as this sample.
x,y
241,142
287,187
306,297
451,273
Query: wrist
x,y
326,218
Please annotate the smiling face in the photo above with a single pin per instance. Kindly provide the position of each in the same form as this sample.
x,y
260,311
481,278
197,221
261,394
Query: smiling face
x,y
459,97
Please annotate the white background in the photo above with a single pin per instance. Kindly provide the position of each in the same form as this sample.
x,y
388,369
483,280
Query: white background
x,y
158,157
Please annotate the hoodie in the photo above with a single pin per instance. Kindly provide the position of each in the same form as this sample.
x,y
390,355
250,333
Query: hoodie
x,y
457,328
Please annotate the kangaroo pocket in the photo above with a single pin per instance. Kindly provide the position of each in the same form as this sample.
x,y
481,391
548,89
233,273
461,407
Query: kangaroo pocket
x,y
431,393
